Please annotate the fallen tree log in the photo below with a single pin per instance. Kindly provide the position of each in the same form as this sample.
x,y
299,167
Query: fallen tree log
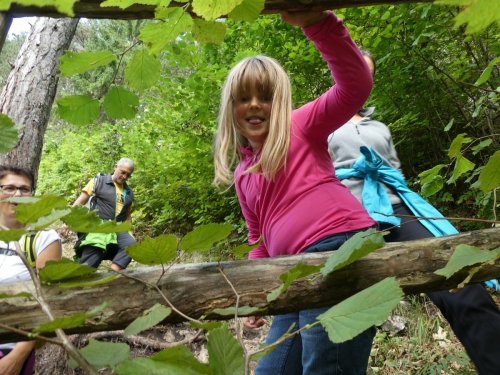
x,y
196,289
93,9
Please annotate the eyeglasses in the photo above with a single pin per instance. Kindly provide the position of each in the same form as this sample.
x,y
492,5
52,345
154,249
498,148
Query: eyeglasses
x,y
126,174
11,190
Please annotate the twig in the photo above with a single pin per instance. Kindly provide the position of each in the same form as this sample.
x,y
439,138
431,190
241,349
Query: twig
x,y
441,218
28,334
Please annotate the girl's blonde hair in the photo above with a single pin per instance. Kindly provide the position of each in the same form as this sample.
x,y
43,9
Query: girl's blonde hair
x,y
267,75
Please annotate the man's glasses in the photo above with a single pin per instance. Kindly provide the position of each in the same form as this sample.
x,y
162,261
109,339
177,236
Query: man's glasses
x,y
126,174
11,190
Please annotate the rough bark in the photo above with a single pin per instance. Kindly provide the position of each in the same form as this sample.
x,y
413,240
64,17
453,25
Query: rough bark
x,y
92,8
196,289
31,87
5,21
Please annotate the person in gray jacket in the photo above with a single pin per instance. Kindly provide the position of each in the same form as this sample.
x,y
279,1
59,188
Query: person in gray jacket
x,y
471,312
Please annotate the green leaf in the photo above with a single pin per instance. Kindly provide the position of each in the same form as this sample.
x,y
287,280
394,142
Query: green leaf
x,y
203,237
78,109
432,187
149,318
62,6
151,251
478,14
46,221
247,11
456,145
297,272
126,3
28,213
158,35
63,269
462,165
173,361
21,294
121,103
242,310
448,127
208,31
143,70
208,326
464,256
103,354
73,321
490,175
83,221
210,10
357,313
359,245
225,353
9,132
11,234
487,72
482,145
429,174
88,280
74,63
240,251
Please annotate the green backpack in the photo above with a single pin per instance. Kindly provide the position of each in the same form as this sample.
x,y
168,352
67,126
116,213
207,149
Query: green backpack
x,y
28,247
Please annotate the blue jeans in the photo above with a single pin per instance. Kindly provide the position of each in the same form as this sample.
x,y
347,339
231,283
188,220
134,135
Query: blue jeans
x,y
311,352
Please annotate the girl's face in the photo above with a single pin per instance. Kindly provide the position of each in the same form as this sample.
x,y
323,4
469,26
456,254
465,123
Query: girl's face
x,y
22,183
252,111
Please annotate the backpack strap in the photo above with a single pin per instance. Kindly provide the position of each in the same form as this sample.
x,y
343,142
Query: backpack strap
x,y
97,186
28,247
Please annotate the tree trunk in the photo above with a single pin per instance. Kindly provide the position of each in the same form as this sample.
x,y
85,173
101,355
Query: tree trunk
x,y
29,93
92,8
196,289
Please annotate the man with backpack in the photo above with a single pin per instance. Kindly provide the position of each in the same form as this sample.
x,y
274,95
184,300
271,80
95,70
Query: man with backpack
x,y
112,198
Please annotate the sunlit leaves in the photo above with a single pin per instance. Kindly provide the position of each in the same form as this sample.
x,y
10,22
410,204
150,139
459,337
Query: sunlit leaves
x,y
173,361
11,234
429,174
143,71
367,308
62,6
47,220
490,174
158,35
63,269
149,318
208,31
151,251
78,109
126,3
225,353
121,103
465,255
478,14
456,145
433,186
462,165
248,10
359,245
103,354
73,63
72,321
28,213
204,236
211,10
9,133
487,72
81,220
297,272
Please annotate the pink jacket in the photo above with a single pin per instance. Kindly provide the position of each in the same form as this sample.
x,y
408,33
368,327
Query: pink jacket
x,y
306,202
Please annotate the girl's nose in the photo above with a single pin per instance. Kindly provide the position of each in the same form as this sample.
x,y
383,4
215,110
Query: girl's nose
x,y
254,102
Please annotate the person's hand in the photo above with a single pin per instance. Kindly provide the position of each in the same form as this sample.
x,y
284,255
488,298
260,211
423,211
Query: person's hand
x,y
253,321
303,18
9,365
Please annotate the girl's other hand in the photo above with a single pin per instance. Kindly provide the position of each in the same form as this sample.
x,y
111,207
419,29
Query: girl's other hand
x,y
253,321
303,18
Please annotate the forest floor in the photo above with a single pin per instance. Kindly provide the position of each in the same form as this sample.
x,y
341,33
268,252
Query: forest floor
x,y
416,340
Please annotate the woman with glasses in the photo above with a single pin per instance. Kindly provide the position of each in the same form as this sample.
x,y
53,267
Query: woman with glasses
x,y
19,358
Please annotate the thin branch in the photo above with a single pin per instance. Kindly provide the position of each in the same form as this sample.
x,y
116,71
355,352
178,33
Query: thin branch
x,y
29,334
441,218
479,88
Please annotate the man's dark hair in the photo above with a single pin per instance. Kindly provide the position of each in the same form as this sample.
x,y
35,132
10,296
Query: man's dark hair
x,y
18,171
368,54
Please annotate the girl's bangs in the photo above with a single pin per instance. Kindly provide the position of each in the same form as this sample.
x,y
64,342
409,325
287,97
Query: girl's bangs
x,y
254,73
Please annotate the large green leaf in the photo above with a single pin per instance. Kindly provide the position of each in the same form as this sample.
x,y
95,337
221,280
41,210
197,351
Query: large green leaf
x,y
359,245
63,269
204,236
240,251
87,281
173,361
11,234
365,309
483,144
429,174
433,186
158,35
225,353
247,11
62,6
72,321
126,3
28,213
210,10
464,256
103,354
208,31
208,326
9,132
487,72
80,219
478,14
490,175
121,103
78,109
46,221
297,272
143,70
149,318
462,165
456,145
151,251
74,63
